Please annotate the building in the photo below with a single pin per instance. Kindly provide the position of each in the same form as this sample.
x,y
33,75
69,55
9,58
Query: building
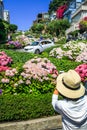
x,y
53,16
42,17
73,6
1,9
6,16
77,16
80,13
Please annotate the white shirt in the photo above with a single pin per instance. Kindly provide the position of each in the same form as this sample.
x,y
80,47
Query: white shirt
x,y
74,113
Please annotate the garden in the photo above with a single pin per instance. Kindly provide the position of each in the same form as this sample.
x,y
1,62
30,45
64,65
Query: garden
x,y
27,80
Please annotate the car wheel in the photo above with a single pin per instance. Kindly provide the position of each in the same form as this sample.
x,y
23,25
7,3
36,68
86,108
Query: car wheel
x,y
37,51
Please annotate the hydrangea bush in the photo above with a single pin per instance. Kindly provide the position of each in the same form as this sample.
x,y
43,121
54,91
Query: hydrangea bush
x,y
39,68
83,24
5,61
14,45
82,56
71,50
82,71
24,40
38,76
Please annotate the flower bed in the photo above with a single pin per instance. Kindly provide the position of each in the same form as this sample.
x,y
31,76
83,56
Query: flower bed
x,y
72,50
29,83
13,45
33,78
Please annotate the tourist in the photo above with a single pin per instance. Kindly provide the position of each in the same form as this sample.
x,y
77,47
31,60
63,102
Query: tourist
x,y
73,106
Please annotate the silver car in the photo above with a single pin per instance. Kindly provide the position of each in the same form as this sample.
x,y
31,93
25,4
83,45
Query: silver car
x,y
38,46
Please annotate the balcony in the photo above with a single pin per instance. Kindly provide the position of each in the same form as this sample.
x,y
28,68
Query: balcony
x,y
82,7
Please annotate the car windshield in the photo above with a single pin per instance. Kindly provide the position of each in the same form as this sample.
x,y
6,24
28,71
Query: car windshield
x,y
29,36
34,43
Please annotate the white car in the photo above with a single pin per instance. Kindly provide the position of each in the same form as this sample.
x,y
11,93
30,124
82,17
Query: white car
x,y
38,46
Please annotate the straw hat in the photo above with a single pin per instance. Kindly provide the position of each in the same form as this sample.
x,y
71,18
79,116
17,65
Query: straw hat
x,y
69,85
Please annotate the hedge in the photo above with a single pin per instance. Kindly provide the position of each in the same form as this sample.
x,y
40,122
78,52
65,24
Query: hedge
x,y
64,64
25,107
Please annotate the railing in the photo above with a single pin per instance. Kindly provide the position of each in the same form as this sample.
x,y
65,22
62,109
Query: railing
x,y
82,7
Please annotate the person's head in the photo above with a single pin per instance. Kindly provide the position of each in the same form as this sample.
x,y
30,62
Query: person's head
x,y
69,85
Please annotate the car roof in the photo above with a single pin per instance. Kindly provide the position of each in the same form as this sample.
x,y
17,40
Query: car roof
x,y
44,40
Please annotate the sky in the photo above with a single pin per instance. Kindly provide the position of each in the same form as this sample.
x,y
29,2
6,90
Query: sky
x,y
24,12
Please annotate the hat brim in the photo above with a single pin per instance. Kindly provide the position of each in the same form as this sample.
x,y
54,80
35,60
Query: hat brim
x,y
73,94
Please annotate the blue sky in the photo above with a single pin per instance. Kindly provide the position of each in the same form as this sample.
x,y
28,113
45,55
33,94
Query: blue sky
x,y
24,12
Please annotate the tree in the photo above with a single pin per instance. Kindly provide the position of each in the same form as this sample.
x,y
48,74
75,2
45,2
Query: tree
x,y
2,31
50,28
6,25
13,28
37,28
58,27
6,29
54,4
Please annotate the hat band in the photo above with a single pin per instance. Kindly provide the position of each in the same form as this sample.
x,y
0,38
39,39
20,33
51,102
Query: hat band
x,y
69,86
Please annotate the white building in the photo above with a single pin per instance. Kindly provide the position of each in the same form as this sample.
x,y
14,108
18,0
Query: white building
x,y
80,13
77,16
1,9
53,16
6,16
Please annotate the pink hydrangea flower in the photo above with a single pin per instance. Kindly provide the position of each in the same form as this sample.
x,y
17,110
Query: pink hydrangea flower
x,y
5,80
82,71
39,68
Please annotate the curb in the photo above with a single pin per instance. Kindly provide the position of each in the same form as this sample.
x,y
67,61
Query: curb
x,y
49,123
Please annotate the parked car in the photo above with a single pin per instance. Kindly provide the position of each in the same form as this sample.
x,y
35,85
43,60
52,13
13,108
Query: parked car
x,y
31,38
38,46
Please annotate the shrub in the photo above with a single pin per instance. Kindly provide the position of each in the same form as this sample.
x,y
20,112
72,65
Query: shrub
x,y
64,64
82,71
23,107
83,24
71,50
4,61
39,76
13,45
39,68
61,41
